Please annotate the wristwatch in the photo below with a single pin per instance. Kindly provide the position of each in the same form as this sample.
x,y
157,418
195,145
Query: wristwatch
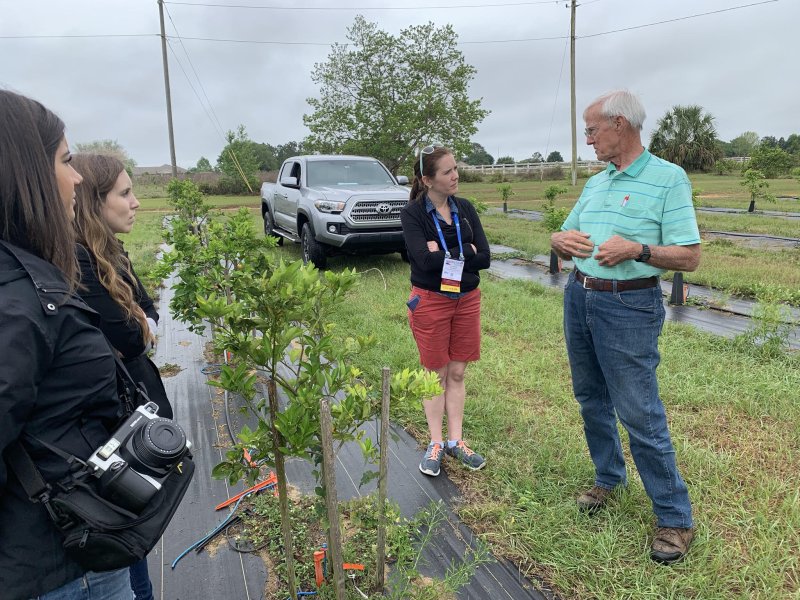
x,y
645,255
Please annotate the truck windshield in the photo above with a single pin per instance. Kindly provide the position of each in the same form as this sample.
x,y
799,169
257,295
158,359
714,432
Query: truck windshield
x,y
328,173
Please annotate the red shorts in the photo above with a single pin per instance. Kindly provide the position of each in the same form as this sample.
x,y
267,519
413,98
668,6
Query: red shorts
x,y
446,329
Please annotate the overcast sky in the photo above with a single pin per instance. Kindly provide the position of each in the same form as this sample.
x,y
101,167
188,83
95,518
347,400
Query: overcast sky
x,y
740,65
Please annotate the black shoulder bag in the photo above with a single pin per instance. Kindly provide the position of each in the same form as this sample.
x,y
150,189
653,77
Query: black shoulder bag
x,y
114,507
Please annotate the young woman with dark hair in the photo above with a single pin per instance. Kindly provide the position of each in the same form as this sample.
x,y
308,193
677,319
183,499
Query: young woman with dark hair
x,y
106,206
58,382
446,249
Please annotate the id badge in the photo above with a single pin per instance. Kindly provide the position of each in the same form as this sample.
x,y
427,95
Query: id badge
x,y
451,275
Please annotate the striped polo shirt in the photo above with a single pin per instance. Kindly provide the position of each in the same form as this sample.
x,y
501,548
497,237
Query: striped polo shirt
x,y
650,202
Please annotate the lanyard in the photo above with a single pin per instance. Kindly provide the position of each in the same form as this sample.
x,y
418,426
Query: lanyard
x,y
441,235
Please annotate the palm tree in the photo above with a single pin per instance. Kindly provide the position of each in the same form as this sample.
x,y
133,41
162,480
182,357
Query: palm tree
x,y
687,137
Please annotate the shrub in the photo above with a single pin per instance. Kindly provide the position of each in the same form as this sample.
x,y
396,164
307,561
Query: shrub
x,y
553,218
773,162
553,173
480,207
469,176
724,166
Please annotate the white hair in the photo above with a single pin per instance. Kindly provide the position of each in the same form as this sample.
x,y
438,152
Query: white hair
x,y
620,103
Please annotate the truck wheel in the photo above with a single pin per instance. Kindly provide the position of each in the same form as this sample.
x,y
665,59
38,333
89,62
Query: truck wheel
x,y
269,227
313,251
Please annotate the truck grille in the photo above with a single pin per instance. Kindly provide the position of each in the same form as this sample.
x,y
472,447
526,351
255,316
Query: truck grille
x,y
376,211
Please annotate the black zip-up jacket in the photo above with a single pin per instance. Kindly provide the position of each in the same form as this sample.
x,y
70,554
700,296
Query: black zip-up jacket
x,y
426,266
57,384
124,334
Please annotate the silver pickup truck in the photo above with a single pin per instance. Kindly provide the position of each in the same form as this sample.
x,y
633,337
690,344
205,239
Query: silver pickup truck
x,y
335,205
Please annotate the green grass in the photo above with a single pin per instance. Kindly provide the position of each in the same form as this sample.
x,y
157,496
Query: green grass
x,y
717,191
735,420
748,223
725,266
142,244
160,202
732,269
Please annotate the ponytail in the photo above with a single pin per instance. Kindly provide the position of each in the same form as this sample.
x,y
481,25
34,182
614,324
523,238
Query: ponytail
x,y
417,189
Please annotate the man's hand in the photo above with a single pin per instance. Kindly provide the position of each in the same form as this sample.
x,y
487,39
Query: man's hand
x,y
433,247
572,243
616,250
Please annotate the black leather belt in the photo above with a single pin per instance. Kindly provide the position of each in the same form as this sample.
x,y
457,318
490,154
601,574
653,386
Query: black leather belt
x,y
607,285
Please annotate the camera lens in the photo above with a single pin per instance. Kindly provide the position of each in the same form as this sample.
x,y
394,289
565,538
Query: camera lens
x,y
159,443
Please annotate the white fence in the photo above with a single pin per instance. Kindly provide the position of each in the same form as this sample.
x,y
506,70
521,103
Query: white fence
x,y
513,169
588,165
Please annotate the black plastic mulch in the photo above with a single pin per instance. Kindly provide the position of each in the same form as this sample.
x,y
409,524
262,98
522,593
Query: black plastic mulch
x,y
220,571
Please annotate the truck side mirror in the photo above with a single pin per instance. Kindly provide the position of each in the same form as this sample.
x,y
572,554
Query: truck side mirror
x,y
289,182
402,180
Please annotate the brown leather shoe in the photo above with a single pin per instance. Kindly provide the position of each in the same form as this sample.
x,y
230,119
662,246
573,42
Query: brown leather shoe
x,y
671,544
593,500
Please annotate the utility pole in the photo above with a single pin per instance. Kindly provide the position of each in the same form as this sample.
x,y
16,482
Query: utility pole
x,y
166,89
572,94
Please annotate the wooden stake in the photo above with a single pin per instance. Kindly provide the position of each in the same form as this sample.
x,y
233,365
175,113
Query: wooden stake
x,y
331,502
382,480
283,495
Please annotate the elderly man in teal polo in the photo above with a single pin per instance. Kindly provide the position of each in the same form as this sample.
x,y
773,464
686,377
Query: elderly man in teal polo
x,y
633,221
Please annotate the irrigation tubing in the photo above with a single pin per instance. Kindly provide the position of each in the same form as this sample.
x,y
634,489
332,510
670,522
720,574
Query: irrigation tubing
x,y
760,236
211,534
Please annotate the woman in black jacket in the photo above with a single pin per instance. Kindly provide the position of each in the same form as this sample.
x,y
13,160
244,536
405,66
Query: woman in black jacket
x,y
57,377
446,248
106,206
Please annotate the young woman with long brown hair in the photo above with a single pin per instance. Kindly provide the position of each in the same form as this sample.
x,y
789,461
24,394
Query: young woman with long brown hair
x,y
58,385
106,206
446,249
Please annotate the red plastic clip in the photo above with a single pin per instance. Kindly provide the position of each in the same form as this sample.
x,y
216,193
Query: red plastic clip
x,y
269,481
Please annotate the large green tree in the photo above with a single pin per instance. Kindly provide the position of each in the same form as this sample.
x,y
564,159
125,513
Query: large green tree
x,y
383,95
242,158
478,156
109,148
686,136
744,143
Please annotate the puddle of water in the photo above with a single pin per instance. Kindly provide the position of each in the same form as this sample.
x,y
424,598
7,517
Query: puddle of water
x,y
759,242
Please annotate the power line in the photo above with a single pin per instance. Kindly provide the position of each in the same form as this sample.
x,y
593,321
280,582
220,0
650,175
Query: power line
x,y
713,12
215,121
96,35
204,39
506,41
555,100
364,8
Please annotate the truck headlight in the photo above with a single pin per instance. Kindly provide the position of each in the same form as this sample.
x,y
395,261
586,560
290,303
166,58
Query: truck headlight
x,y
327,206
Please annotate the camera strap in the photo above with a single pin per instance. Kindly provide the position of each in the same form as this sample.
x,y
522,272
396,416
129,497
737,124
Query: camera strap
x,y
37,489
131,394
21,463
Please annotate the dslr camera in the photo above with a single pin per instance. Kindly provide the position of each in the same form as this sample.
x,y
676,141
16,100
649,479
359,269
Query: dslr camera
x,y
133,465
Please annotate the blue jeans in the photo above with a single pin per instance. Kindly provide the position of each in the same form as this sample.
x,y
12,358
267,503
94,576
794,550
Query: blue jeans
x,y
612,343
140,581
108,585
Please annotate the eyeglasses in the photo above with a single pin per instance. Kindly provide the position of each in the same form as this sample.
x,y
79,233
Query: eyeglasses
x,y
427,150
590,131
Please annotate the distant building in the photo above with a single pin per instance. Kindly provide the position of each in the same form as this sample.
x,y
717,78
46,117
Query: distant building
x,y
162,170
